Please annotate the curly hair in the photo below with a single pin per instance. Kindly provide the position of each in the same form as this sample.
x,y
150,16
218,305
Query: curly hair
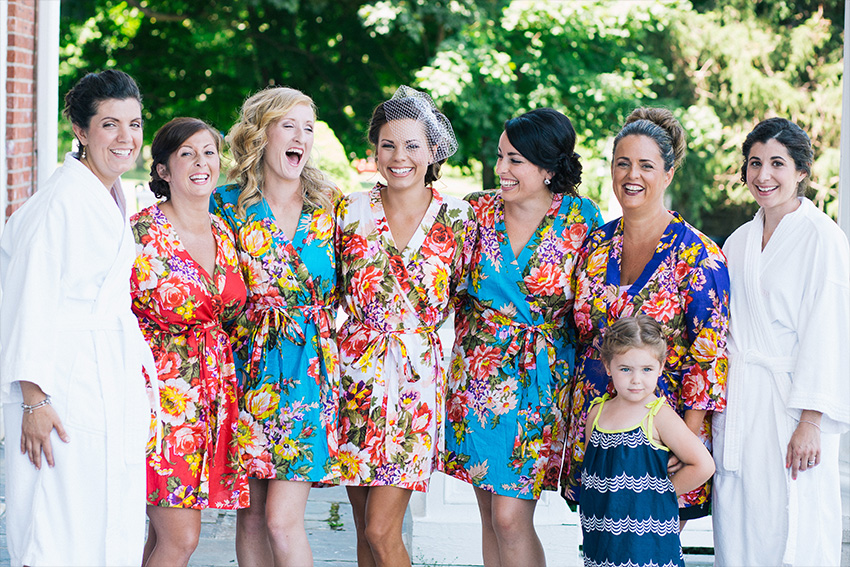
x,y
248,140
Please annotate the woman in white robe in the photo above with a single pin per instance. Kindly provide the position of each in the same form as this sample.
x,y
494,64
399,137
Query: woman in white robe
x,y
776,490
71,354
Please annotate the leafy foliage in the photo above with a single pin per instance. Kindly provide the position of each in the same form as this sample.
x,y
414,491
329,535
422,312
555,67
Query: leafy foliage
x,y
720,65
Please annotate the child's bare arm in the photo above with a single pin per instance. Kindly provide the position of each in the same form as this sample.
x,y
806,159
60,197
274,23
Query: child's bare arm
x,y
698,464
588,425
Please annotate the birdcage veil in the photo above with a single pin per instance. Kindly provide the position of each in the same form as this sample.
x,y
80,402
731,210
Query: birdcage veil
x,y
408,103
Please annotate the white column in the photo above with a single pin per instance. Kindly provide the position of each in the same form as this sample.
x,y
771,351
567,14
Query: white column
x,y
47,88
844,222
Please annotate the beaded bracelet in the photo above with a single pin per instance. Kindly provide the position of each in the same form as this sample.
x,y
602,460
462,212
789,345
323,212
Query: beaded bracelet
x,y
32,408
810,422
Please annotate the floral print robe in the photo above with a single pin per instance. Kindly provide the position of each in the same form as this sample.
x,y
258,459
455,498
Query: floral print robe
x,y
285,347
180,309
513,352
393,380
685,287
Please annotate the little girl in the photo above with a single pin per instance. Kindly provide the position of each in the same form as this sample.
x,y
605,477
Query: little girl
x,y
629,512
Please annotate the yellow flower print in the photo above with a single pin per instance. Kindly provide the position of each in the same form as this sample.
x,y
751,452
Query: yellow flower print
x,y
287,449
186,310
322,225
689,254
262,403
704,349
255,239
597,262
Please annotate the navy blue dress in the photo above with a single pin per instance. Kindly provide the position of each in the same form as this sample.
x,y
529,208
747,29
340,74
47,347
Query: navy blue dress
x,y
629,512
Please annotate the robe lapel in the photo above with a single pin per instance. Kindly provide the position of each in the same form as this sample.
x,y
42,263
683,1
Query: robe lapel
x,y
400,262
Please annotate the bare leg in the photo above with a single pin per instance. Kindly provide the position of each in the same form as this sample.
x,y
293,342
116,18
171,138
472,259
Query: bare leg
x,y
252,537
285,505
513,523
489,543
150,543
177,533
358,495
385,507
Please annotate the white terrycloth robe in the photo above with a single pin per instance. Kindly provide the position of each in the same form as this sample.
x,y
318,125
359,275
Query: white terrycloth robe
x,y
66,325
789,346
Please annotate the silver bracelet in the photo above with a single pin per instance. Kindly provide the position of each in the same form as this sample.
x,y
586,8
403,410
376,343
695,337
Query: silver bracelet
x,y
810,422
32,408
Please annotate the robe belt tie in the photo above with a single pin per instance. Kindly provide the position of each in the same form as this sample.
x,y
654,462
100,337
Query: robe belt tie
x,y
738,361
527,344
129,327
390,344
198,337
274,321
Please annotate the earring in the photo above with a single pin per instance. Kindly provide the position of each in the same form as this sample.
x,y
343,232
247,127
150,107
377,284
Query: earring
x,y
547,181
83,152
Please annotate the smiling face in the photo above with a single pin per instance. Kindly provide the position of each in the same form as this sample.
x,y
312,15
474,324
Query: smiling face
x,y
519,179
402,153
772,177
290,140
113,138
638,173
193,168
634,373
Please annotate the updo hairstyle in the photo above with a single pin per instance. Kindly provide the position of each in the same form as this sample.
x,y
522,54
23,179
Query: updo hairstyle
x,y
546,138
661,126
168,140
82,100
406,108
639,331
795,140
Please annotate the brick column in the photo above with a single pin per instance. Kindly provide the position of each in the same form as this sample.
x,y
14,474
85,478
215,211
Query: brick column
x,y
20,103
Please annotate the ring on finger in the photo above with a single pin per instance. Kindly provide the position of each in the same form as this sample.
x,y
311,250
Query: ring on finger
x,y
811,463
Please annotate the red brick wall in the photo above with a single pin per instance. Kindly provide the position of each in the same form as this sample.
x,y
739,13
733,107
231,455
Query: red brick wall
x,y
20,103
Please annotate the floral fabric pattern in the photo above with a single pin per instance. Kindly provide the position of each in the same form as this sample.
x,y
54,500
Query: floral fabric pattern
x,y
393,380
181,309
685,287
285,342
513,353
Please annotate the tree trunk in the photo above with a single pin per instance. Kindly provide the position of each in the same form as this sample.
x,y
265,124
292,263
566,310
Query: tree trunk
x,y
488,176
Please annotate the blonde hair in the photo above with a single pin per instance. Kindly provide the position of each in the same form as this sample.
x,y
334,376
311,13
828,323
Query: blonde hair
x,y
248,141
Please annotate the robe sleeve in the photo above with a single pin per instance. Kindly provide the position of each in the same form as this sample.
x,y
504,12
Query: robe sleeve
x,y
820,379
704,365
32,288
463,265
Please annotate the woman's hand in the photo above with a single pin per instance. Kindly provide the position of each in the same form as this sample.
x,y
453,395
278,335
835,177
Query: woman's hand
x,y
674,465
36,428
38,424
804,447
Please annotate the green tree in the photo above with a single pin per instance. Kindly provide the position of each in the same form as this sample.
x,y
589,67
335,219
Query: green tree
x,y
204,58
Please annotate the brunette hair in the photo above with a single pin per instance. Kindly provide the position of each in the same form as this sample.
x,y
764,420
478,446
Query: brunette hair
x,y
795,140
406,108
661,126
639,331
167,140
546,138
82,100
